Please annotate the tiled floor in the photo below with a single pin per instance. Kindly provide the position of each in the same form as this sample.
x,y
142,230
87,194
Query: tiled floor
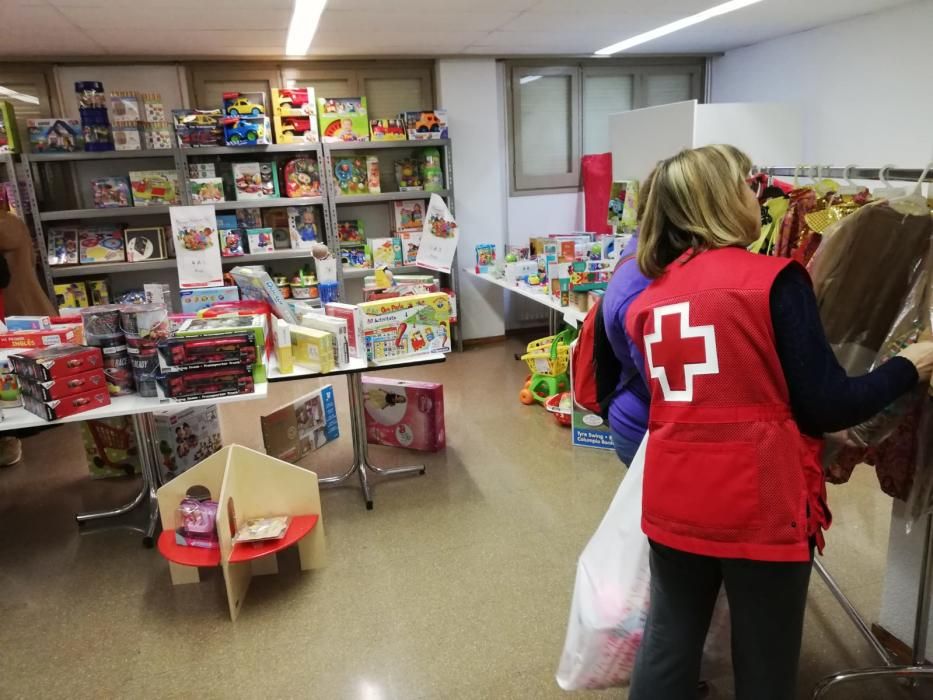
x,y
457,585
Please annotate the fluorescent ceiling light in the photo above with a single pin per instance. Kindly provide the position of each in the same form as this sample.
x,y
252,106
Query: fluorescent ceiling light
x,y
21,96
304,23
722,9
529,79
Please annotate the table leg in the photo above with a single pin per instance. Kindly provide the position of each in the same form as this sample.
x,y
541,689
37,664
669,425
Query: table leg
x,y
146,443
361,461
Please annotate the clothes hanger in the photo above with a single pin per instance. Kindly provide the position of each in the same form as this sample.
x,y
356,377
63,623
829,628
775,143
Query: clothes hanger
x,y
888,191
849,187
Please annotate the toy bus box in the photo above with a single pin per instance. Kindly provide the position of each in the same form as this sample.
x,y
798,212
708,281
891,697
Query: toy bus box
x,y
62,408
110,447
301,178
43,363
354,319
53,389
63,246
244,104
186,437
426,125
387,130
195,128
313,349
338,329
155,188
193,300
342,119
101,244
205,383
55,135
208,351
9,136
402,413
232,324
293,102
302,426
295,129
406,326
246,131
255,181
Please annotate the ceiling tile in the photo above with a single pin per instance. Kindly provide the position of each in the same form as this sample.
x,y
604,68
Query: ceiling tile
x,y
180,43
403,21
153,17
423,8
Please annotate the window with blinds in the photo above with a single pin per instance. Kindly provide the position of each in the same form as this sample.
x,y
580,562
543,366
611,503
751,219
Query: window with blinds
x,y
559,113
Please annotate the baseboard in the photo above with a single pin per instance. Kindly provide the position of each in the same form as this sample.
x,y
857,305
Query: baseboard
x,y
901,651
491,340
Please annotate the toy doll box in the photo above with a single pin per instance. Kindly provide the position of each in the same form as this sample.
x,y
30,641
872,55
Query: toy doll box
x,y
62,408
186,437
44,364
305,425
401,413
406,326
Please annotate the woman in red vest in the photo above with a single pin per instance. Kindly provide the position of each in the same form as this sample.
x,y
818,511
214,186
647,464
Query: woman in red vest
x,y
743,386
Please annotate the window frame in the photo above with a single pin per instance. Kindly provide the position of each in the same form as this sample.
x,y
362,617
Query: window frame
x,y
639,68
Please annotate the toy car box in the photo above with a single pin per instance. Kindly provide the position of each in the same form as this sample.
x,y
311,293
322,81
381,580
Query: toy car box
x,y
210,382
208,351
43,364
302,426
293,102
55,135
244,104
186,437
402,413
406,326
62,408
65,386
232,324
198,127
246,131
295,129
426,125
387,130
342,119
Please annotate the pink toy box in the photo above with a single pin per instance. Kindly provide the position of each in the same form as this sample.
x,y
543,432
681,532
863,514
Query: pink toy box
x,y
401,413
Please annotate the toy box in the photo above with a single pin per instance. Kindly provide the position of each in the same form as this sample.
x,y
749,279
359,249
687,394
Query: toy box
x,y
356,257
387,130
27,323
295,129
110,192
301,178
110,447
255,181
43,363
155,188
72,295
351,231
62,408
244,104
293,102
485,258
226,325
408,175
426,125
313,349
343,119
351,176
349,313
28,340
339,331
259,240
102,244
373,176
213,382
126,136
55,135
401,413
249,217
198,127
63,246
409,216
246,131
276,218
232,236
405,326
193,300
383,250
186,437
66,386
258,285
207,190
144,244
410,241
208,351
305,425
9,136
302,227
10,394
98,292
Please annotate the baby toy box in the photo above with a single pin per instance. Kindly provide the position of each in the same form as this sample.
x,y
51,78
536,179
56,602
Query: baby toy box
x,y
406,326
401,413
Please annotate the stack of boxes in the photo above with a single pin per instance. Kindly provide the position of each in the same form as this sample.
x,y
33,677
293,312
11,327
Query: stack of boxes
x,y
62,380
294,115
245,122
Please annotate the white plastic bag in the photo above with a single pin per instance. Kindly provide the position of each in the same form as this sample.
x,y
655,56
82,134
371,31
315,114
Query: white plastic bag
x,y
611,594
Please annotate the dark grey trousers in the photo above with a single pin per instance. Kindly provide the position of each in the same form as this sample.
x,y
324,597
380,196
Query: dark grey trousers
x,y
766,604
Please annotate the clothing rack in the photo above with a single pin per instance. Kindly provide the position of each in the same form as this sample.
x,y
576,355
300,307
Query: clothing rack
x,y
918,668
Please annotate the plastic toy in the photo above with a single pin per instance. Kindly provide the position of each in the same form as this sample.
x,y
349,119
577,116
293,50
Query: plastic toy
x,y
231,243
293,102
295,129
110,445
343,119
432,174
155,187
196,524
55,135
408,175
302,178
548,359
426,125
243,104
242,131
387,130
559,406
351,176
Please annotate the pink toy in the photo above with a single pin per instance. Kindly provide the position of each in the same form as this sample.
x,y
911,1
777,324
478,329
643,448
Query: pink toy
x,y
400,413
196,523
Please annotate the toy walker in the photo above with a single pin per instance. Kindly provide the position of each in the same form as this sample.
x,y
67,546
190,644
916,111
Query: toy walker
x,y
548,360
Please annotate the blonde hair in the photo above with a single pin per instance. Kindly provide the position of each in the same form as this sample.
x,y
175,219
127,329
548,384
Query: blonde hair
x,y
695,201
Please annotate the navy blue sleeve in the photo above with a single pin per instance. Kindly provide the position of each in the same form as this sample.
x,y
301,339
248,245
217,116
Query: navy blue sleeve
x,y
823,398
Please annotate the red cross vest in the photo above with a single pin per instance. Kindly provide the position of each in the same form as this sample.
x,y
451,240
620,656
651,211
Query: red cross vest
x,y
727,471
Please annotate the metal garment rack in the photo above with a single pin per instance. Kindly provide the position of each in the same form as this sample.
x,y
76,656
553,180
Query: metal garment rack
x,y
918,668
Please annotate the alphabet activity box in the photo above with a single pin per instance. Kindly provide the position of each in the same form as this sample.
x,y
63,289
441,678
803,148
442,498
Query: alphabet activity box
x,y
405,326
401,413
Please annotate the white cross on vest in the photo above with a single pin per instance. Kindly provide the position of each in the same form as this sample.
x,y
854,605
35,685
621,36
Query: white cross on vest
x,y
677,352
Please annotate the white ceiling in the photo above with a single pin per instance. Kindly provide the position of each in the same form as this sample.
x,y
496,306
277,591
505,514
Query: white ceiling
x,y
189,28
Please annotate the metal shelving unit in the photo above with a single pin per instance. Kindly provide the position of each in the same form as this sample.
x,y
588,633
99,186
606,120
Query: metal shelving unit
x,y
388,196
111,213
399,270
268,203
68,271
384,145
98,155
